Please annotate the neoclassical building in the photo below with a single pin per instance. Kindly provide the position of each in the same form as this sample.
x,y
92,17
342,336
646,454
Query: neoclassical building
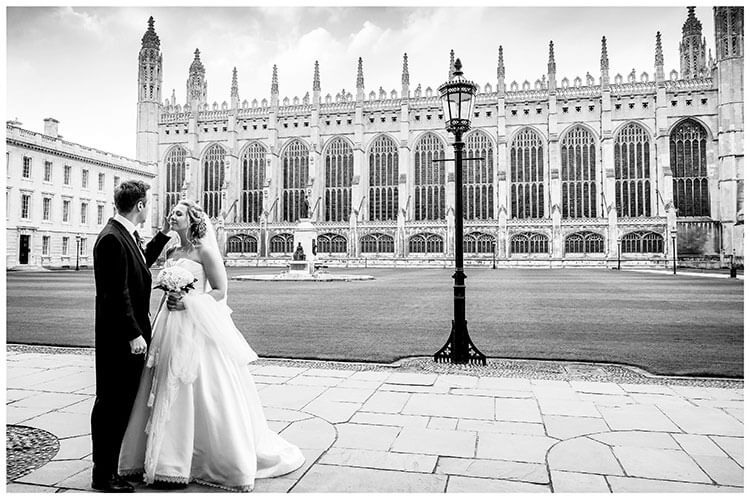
x,y
567,170
59,196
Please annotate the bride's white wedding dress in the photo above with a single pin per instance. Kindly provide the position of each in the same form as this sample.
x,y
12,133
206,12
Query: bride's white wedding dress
x,y
197,415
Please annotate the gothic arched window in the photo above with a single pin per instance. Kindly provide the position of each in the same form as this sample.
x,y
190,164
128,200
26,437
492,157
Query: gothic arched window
x,y
339,171
429,179
383,179
175,169
478,242
282,243
377,243
295,168
331,243
213,179
242,243
253,164
632,172
578,174
527,175
426,243
529,242
584,242
687,157
642,242
478,177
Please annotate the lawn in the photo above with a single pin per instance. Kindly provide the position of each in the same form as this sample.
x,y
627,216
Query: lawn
x,y
665,324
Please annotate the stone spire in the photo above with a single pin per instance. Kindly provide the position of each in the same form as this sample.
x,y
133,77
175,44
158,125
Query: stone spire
x,y
235,92
659,59
360,81
405,78
500,71
316,84
729,26
150,39
316,77
450,66
275,81
551,68
360,74
692,47
197,85
604,64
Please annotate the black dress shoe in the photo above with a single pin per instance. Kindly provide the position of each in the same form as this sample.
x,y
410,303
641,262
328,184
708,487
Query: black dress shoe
x,y
111,483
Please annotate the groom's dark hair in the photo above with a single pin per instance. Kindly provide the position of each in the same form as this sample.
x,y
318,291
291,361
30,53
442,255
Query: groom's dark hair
x,y
128,193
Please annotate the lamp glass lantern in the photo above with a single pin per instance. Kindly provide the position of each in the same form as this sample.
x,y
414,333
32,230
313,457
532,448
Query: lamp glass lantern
x,y
458,96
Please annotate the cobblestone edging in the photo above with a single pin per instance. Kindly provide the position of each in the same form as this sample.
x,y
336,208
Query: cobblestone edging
x,y
509,368
27,449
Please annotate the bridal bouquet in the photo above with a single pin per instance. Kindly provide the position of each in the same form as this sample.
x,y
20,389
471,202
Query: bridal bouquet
x,y
175,280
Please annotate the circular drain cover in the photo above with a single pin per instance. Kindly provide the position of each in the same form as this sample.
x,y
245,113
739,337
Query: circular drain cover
x,y
28,449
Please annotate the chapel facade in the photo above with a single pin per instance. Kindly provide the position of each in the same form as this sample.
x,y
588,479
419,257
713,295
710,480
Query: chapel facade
x,y
567,171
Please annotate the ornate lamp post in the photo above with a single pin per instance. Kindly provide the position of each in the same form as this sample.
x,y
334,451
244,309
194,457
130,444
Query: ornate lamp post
x,y
493,256
619,250
458,96
78,248
674,250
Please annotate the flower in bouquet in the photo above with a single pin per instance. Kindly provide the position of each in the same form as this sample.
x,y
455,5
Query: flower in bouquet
x,y
175,280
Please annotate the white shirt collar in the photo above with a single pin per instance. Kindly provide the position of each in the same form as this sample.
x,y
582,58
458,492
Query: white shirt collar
x,y
125,223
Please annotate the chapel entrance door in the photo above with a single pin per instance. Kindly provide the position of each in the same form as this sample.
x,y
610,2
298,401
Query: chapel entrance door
x,y
23,250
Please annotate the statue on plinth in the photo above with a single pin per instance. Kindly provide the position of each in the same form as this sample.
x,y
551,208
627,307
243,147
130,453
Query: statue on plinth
x,y
299,253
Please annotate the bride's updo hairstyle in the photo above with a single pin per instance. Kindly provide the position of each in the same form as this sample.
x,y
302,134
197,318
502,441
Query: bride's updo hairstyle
x,y
196,216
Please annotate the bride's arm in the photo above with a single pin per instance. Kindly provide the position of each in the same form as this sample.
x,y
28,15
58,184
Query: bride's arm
x,y
213,265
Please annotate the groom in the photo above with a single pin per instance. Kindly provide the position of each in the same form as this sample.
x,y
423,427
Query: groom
x,y
123,328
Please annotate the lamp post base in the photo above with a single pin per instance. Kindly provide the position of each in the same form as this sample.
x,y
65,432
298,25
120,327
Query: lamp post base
x,y
459,349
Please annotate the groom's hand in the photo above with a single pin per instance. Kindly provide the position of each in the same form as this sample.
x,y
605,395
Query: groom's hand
x,y
138,346
174,302
165,227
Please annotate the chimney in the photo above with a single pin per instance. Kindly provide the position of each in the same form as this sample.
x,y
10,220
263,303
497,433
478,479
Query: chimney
x,y
50,127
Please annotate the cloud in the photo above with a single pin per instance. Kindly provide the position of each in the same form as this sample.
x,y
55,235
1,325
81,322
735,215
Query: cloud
x,y
88,22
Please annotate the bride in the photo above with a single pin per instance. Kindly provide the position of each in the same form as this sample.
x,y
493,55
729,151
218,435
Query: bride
x,y
197,416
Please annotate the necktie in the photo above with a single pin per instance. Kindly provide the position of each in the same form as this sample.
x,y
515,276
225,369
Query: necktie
x,y
139,240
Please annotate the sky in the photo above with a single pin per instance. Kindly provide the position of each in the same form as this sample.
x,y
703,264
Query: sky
x,y
79,64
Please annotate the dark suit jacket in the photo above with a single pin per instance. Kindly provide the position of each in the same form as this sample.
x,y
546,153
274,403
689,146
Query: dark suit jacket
x,y
123,293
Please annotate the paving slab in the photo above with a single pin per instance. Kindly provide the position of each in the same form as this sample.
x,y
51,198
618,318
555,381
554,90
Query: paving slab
x,y
522,448
282,371
499,383
437,442
484,485
641,485
722,470
329,373
333,412
454,406
337,394
311,433
597,387
705,421
361,384
388,402
19,415
698,445
492,392
401,420
386,387
23,488
415,379
278,414
55,472
50,400
438,423
82,408
570,482
370,375
457,381
734,446
605,400
641,439
638,417
496,469
511,427
61,424
564,427
661,400
520,410
365,436
647,388
563,407
73,448
662,464
397,461
289,396
329,478
583,455
305,380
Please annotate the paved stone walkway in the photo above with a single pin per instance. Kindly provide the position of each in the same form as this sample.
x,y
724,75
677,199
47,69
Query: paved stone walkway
x,y
395,430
